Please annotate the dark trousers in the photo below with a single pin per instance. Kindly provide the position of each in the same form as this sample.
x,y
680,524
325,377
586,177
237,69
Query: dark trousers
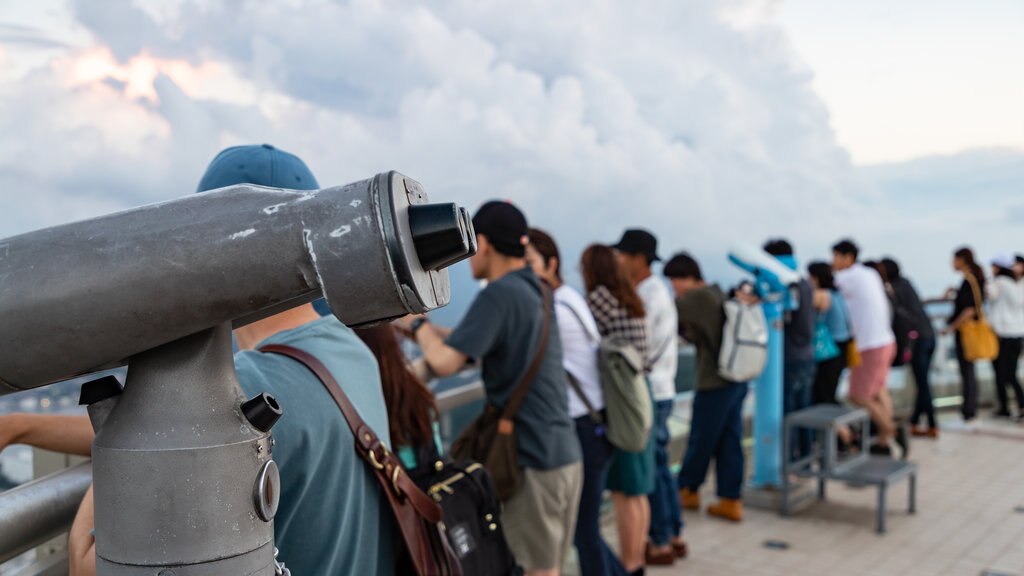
x,y
595,557
716,431
797,388
1006,373
921,363
666,513
826,377
969,383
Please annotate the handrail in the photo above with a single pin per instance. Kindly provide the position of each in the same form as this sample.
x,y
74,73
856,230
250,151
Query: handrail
x,y
459,396
41,509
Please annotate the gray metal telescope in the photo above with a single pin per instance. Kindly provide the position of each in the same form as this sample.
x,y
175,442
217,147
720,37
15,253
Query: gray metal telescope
x,y
182,464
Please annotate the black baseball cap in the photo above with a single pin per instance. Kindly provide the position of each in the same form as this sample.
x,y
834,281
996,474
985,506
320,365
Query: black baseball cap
x,y
504,226
637,241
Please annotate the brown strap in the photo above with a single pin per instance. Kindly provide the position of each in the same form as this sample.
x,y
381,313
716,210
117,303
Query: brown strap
x,y
523,388
979,303
382,462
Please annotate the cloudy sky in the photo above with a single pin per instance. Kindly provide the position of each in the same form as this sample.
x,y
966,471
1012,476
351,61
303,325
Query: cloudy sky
x,y
707,122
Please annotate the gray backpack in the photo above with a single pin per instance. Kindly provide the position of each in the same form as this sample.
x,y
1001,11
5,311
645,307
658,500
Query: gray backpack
x,y
628,401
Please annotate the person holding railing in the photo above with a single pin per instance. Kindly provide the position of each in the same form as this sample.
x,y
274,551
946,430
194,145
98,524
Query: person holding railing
x,y
968,298
580,340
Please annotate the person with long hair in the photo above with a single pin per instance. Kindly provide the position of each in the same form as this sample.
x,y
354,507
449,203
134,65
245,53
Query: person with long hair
x,y
619,314
1006,302
911,318
412,410
832,322
580,340
965,310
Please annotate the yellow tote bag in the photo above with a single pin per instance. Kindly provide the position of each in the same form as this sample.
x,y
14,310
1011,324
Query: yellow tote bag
x,y
978,338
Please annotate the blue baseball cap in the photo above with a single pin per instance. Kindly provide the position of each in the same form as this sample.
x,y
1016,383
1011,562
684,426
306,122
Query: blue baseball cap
x,y
259,164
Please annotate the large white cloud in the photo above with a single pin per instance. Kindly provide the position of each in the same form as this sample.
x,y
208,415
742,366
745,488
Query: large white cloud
x,y
594,116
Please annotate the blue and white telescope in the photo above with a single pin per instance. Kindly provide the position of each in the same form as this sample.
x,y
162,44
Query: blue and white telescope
x,y
776,285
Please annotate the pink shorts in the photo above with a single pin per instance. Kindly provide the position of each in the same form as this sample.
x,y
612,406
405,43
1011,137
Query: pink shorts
x,y
870,378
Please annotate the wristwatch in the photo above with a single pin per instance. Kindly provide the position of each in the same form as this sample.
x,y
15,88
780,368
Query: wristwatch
x,y
417,324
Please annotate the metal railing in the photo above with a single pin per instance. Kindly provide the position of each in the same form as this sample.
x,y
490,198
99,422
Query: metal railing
x,y
44,508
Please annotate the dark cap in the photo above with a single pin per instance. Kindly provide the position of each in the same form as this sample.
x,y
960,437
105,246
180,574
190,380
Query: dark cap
x,y
259,164
504,226
636,241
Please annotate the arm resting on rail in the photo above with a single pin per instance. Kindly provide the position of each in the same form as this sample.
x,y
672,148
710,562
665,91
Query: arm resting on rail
x,y
66,434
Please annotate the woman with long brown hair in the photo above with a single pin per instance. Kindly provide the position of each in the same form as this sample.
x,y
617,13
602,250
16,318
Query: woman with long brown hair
x,y
412,410
965,308
619,313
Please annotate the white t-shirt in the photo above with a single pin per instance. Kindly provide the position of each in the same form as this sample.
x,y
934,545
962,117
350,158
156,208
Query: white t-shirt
x,y
868,305
580,340
1006,306
662,320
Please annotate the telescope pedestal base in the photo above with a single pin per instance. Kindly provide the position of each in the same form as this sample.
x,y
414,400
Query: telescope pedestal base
x,y
256,563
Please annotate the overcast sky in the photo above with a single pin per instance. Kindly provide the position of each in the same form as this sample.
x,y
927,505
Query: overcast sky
x,y
705,121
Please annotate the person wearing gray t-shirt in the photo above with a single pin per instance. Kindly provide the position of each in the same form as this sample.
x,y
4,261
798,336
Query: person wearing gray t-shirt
x,y
502,330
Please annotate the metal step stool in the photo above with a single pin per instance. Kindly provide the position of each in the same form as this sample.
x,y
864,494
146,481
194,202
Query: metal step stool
x,y
824,463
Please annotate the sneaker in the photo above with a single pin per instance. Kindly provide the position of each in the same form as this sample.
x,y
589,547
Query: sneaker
x,y
728,509
659,555
680,548
903,442
877,450
690,500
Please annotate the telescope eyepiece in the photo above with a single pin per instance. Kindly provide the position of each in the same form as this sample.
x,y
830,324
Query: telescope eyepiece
x,y
442,234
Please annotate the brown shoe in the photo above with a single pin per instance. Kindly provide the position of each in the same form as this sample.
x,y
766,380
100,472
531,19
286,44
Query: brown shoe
x,y
728,509
690,500
921,432
679,547
659,555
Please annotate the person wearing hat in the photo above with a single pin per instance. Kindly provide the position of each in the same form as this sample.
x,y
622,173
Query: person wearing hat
x,y
329,520
716,426
637,250
502,330
1006,313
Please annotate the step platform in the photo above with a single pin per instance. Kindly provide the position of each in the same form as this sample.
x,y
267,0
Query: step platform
x,y
824,464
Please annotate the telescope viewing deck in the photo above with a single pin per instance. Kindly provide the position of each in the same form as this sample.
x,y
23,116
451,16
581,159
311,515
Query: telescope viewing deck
x,y
969,520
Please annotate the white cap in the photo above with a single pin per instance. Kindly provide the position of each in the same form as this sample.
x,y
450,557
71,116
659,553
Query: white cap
x,y
1003,260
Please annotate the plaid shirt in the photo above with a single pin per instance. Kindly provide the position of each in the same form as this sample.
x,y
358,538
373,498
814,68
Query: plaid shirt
x,y
613,320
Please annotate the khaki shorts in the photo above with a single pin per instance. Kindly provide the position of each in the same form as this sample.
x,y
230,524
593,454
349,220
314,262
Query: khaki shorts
x,y
540,519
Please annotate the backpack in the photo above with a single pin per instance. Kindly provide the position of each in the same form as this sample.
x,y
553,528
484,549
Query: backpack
x,y
628,402
744,342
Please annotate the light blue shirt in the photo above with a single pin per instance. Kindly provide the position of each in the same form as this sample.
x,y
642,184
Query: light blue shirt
x,y
837,318
332,519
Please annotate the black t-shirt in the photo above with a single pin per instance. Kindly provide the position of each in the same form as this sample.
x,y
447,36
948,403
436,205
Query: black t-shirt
x,y
799,332
908,305
965,299
502,329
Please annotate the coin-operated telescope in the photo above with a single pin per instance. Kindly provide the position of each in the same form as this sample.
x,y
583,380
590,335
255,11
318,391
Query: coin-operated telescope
x,y
182,462
776,285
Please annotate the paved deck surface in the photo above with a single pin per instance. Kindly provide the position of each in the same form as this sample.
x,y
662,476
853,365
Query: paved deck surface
x,y
970,520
